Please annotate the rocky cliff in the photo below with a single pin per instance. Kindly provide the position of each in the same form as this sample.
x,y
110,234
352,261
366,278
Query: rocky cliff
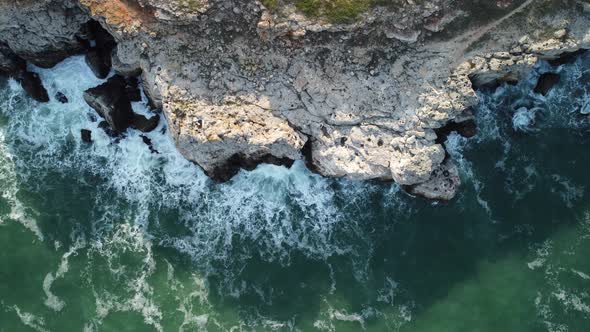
x,y
360,89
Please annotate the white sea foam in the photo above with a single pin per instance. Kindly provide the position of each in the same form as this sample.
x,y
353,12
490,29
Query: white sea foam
x,y
524,118
34,322
52,301
280,209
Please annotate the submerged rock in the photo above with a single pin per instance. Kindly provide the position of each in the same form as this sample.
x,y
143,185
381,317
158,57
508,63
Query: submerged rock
x,y
59,96
147,141
546,82
33,86
144,124
585,110
111,102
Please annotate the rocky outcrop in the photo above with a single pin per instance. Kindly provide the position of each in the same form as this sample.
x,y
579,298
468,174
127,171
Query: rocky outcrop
x,y
86,135
111,102
31,83
42,32
365,95
10,63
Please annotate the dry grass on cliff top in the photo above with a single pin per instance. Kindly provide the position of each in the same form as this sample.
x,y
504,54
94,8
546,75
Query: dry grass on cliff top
x,y
335,11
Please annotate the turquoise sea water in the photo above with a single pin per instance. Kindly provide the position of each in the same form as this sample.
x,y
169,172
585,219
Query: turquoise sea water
x,y
111,237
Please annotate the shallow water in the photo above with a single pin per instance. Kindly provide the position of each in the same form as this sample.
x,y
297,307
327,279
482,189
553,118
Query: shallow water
x,y
110,237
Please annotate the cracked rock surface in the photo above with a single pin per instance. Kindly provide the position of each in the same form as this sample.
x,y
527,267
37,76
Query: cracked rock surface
x,y
241,84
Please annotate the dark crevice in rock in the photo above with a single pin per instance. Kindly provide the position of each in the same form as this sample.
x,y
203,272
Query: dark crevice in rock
x,y
10,63
488,83
546,82
307,152
567,57
467,128
239,161
100,45
110,100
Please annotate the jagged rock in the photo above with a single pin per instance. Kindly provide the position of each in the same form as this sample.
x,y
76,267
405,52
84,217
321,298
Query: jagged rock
x,y
10,63
566,57
546,82
144,124
239,85
61,98
99,63
111,102
42,32
33,86
132,89
443,184
86,135
147,141
107,129
466,128
238,161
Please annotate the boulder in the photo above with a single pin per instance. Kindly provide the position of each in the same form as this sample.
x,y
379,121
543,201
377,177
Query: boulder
x,y
443,184
546,82
59,96
111,102
31,83
99,63
144,124
86,135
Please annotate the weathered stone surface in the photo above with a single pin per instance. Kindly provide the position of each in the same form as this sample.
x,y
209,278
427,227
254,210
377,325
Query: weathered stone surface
x,y
241,84
42,32
442,185
218,137
111,102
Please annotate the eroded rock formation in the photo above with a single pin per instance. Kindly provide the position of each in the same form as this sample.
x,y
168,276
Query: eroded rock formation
x,y
241,83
